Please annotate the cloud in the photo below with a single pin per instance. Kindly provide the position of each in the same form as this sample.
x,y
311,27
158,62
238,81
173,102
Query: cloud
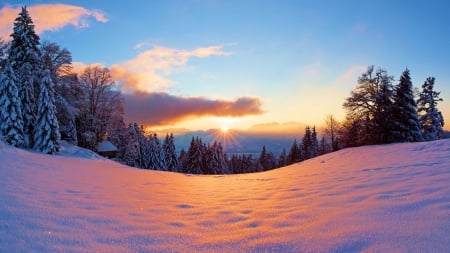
x,y
157,109
148,71
49,17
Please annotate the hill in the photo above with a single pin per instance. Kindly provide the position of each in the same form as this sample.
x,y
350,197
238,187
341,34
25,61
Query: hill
x,y
375,199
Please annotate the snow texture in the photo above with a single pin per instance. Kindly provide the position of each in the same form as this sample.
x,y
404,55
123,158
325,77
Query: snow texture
x,y
372,199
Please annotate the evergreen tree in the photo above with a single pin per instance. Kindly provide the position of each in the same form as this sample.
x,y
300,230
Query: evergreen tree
x,y
282,159
46,133
324,146
154,154
182,161
195,157
295,154
216,163
307,144
11,123
430,118
262,160
133,149
170,155
314,143
406,123
24,56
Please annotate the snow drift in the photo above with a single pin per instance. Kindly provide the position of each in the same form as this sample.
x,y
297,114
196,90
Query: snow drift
x,y
372,199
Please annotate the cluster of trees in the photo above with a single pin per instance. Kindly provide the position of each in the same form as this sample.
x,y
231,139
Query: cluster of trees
x,y
43,101
146,151
380,112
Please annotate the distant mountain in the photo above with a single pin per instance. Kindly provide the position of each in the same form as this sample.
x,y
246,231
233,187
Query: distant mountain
x,y
288,129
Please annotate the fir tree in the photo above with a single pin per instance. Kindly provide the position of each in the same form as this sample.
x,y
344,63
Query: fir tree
x,y
282,159
430,118
170,155
135,146
406,123
295,154
314,143
307,144
10,108
24,56
155,156
195,157
46,133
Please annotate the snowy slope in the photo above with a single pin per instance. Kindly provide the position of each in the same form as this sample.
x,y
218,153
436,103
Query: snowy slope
x,y
371,199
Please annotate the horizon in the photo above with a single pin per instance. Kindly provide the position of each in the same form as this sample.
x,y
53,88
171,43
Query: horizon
x,y
251,63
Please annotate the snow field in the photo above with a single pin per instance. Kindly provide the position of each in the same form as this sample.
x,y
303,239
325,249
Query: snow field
x,y
370,199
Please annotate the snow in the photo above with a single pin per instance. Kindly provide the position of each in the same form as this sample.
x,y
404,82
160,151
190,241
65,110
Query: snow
x,y
106,146
372,199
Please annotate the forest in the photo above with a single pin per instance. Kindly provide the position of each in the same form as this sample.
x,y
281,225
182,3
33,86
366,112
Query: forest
x,y
43,101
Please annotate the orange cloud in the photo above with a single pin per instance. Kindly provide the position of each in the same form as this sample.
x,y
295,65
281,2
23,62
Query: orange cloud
x,y
49,17
157,109
148,71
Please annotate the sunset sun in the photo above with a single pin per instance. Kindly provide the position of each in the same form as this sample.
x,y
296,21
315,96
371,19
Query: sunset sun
x,y
224,129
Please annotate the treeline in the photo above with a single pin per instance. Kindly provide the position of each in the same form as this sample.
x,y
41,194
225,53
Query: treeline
x,y
147,151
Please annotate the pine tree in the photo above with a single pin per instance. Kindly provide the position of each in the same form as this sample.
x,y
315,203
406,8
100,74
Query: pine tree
x,y
307,144
155,156
406,123
215,159
46,133
170,155
295,154
430,118
282,159
10,108
24,56
195,157
132,151
262,160
314,143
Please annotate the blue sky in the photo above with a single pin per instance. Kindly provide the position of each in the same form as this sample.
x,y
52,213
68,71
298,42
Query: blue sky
x,y
298,59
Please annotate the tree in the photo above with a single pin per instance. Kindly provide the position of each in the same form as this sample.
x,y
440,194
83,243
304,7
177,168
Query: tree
x,y
153,154
314,143
215,162
25,59
11,123
307,144
195,157
282,159
46,133
59,61
101,107
369,107
332,127
430,118
295,154
406,123
170,155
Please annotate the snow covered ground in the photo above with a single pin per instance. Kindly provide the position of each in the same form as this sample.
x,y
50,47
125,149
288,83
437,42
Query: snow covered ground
x,y
371,199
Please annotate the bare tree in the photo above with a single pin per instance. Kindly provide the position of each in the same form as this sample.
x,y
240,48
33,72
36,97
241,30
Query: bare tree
x,y
103,105
332,127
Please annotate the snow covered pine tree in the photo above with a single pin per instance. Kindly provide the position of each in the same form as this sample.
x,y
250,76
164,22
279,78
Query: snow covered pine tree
x,y
10,108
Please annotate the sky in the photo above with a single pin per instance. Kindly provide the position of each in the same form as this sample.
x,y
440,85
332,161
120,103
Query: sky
x,y
206,64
